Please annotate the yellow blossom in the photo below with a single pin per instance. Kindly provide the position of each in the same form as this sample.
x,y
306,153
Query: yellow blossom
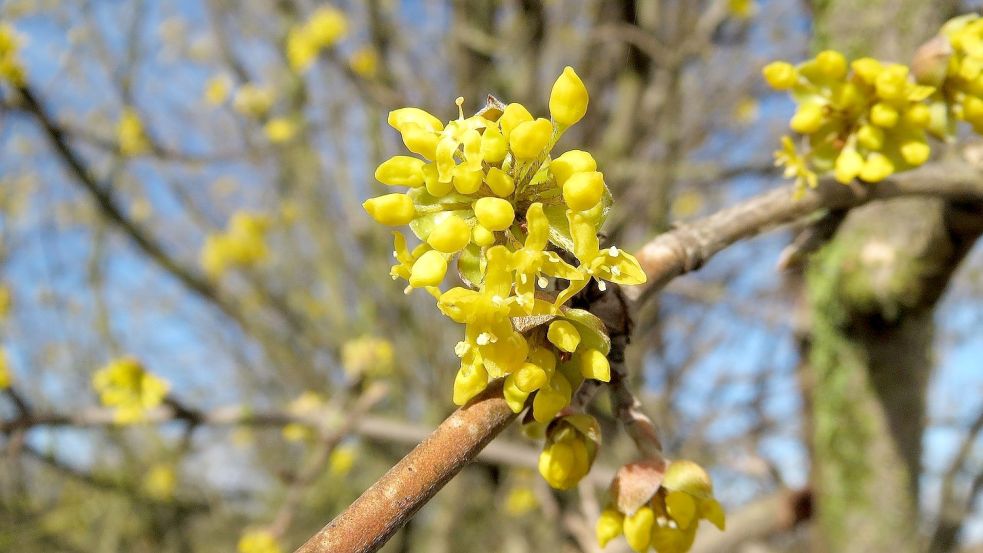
x,y
342,459
365,62
369,356
129,389
280,130
6,374
253,100
520,501
258,541
217,90
130,133
160,481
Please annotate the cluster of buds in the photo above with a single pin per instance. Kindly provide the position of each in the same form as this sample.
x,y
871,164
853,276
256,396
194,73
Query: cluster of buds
x,y
659,509
243,244
869,119
11,69
126,386
130,134
485,191
570,448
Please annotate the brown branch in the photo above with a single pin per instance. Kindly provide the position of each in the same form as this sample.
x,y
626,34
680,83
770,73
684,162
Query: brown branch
x,y
687,247
375,516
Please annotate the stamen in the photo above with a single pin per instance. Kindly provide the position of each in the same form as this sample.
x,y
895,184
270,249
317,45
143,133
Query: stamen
x,y
460,107
613,251
543,282
601,285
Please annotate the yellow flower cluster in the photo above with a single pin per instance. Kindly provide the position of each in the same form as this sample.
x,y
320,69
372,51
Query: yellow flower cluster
x,y
869,119
956,67
11,69
126,386
280,129
667,522
243,244
367,356
258,541
323,29
569,451
863,119
486,191
130,133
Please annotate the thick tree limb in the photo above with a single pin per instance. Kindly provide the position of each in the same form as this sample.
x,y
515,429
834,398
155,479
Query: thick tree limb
x,y
687,247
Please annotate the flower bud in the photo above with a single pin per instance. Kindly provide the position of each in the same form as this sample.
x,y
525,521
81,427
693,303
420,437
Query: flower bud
x,y
529,139
500,182
891,82
638,528
883,115
574,161
563,335
848,165
877,168
780,75
595,365
808,119
551,399
831,64
482,236
391,209
429,270
609,526
450,236
568,99
867,69
494,214
686,476
435,187
870,137
513,115
465,181
583,191
530,377
401,171
469,382
514,397
915,152
918,115
973,109
493,145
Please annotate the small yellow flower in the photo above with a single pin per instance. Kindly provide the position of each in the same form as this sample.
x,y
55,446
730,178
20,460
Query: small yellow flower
x,y
494,214
365,62
160,481
780,75
217,90
529,139
327,26
610,264
11,69
258,541
130,133
126,386
569,163
583,191
450,235
342,459
520,501
6,375
280,130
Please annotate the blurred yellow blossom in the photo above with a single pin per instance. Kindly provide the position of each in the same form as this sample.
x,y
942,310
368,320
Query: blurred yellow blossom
x,y
258,541
6,375
741,9
746,110
217,90
253,100
126,386
365,62
243,244
367,356
130,133
342,459
160,481
6,300
520,501
325,27
11,69
306,405
280,129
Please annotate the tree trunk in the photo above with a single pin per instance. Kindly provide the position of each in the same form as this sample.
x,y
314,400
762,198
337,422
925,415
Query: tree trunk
x,y
872,291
